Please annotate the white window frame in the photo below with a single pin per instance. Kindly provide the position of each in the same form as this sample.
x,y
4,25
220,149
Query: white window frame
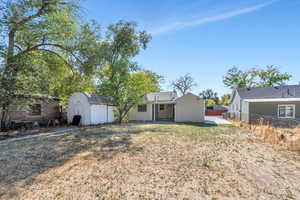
x,y
286,117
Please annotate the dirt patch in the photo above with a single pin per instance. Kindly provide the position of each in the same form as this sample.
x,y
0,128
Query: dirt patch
x,y
148,162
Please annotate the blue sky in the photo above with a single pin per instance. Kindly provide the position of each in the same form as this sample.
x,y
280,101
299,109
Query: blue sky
x,y
206,37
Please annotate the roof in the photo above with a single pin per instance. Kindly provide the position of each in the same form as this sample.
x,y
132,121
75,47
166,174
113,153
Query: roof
x,y
161,96
278,92
38,96
96,99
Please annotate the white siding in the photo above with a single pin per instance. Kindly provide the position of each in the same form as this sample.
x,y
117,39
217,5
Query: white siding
x,y
235,106
101,114
189,108
98,114
111,115
134,115
239,109
245,111
79,105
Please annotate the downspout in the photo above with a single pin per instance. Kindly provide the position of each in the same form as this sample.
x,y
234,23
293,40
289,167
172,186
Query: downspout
x,y
241,109
154,119
106,113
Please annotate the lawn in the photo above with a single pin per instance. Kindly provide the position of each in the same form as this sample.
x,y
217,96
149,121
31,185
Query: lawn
x,y
148,161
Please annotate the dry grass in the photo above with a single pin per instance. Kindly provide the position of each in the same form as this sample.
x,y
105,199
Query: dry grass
x,y
284,138
147,162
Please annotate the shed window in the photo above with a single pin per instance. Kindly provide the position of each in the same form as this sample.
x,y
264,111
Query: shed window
x,y
142,108
286,111
36,109
161,107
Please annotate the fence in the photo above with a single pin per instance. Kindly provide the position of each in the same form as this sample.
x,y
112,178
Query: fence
x,y
268,120
270,129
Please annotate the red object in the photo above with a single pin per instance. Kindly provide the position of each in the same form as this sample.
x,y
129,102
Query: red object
x,y
215,112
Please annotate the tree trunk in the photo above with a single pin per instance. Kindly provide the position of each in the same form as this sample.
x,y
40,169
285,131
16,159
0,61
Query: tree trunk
x,y
120,117
10,50
4,114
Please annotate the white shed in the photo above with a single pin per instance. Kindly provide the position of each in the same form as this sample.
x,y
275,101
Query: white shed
x,y
93,108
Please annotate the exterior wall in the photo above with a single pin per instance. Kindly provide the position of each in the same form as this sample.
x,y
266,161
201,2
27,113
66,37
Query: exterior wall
x,y
111,115
189,108
101,114
49,110
134,115
98,114
79,105
235,106
245,111
270,110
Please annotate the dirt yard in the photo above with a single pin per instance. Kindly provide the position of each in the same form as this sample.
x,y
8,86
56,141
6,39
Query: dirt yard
x,y
165,161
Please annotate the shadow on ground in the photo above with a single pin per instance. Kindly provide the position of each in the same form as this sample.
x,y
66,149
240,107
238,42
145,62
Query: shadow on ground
x,y
22,161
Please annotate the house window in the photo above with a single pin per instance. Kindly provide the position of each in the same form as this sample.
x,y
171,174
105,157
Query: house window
x,y
161,107
142,108
286,111
36,109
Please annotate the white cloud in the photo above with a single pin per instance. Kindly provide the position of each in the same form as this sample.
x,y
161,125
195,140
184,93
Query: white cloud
x,y
205,20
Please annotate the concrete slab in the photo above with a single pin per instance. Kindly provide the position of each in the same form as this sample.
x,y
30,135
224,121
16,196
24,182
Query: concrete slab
x,y
216,120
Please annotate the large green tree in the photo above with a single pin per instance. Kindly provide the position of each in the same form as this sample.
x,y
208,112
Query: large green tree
x,y
255,77
36,35
271,76
121,79
236,78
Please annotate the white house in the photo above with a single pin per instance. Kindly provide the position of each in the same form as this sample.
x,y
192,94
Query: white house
x,y
93,108
166,106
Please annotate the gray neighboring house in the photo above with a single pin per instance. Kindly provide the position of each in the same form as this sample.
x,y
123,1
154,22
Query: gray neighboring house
x,y
281,103
167,106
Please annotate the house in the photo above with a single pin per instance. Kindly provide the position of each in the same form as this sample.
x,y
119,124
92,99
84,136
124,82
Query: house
x,y
281,103
167,106
34,108
93,108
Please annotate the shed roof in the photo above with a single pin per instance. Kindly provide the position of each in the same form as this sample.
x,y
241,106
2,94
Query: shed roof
x,y
285,91
96,99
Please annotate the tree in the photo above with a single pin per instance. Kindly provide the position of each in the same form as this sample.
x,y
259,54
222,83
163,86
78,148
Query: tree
x,y
121,79
209,94
255,77
184,84
33,32
210,103
225,99
236,78
211,98
272,76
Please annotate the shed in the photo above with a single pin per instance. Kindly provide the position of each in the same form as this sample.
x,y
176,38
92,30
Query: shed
x,y
93,108
189,108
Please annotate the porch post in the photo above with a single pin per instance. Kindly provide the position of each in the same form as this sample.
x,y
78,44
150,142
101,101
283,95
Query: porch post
x,y
154,112
155,101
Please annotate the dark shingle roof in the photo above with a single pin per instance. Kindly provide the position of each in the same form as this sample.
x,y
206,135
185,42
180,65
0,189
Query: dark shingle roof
x,y
286,91
97,98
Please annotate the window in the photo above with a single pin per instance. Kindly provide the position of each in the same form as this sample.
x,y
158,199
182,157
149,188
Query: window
x,y
36,109
142,108
286,111
161,107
